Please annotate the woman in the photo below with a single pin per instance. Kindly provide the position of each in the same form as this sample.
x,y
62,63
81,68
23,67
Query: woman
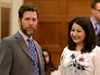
x,y
49,67
81,56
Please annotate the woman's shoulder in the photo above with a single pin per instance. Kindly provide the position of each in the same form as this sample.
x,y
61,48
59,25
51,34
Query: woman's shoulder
x,y
56,72
65,49
96,49
96,52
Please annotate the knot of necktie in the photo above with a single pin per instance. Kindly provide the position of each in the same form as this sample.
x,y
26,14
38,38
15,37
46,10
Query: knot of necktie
x,y
98,23
29,39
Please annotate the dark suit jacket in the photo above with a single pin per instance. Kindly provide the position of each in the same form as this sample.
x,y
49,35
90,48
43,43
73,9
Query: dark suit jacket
x,y
98,41
15,57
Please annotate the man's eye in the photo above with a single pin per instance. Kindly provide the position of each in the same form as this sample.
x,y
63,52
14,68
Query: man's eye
x,y
34,19
26,19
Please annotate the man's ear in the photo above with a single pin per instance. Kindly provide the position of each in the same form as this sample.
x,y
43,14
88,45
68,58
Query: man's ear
x,y
92,10
37,22
19,21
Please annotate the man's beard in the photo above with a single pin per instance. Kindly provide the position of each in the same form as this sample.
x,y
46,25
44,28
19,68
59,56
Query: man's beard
x,y
27,32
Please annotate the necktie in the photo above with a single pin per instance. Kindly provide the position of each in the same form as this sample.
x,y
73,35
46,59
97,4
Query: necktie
x,y
32,50
96,30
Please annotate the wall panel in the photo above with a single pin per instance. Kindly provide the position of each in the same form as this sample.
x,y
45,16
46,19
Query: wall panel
x,y
5,21
78,8
48,7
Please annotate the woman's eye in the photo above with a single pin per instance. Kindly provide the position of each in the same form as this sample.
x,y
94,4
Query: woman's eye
x,y
72,29
79,31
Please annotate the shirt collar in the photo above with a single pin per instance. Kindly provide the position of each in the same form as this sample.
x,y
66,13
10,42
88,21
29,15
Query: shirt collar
x,y
92,20
23,35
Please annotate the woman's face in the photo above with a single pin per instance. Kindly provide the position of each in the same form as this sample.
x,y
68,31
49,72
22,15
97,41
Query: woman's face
x,y
77,34
46,55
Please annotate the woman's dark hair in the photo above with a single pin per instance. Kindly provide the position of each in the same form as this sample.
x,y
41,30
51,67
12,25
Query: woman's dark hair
x,y
49,67
28,7
44,62
90,39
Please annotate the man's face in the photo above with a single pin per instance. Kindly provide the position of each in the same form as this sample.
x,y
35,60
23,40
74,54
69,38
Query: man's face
x,y
28,23
96,12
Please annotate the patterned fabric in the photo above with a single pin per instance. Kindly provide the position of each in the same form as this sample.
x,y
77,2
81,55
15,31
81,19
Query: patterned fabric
x,y
32,50
96,30
75,63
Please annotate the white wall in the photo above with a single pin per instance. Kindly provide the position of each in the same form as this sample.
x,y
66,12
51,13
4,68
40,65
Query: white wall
x,y
7,1
0,21
14,16
14,5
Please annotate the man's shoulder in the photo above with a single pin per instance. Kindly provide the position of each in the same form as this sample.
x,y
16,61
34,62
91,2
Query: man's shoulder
x,y
35,42
10,37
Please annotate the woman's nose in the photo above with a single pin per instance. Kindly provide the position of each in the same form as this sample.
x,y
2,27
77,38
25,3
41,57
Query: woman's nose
x,y
74,33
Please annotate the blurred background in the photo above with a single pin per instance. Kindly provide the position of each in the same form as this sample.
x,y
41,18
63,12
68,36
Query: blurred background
x,y
52,30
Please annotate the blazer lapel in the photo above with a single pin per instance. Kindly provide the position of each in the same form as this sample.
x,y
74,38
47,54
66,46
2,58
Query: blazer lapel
x,y
37,50
23,44
40,57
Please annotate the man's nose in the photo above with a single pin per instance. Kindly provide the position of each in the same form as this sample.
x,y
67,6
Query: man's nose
x,y
30,22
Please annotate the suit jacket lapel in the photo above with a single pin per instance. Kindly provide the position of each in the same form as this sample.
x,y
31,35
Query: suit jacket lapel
x,y
37,50
39,55
23,44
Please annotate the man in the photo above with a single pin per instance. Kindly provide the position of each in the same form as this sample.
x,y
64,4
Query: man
x,y
95,19
15,55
